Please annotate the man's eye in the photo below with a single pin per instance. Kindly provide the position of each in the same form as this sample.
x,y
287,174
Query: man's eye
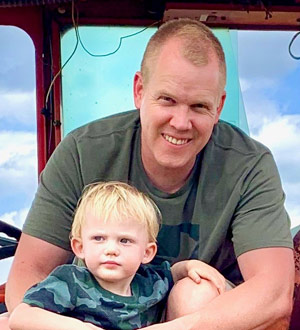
x,y
199,106
167,99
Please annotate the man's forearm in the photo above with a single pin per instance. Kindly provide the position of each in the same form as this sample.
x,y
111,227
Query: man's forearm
x,y
25,317
33,261
250,306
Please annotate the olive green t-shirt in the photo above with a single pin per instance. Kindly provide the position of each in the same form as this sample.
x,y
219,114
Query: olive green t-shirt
x,y
232,202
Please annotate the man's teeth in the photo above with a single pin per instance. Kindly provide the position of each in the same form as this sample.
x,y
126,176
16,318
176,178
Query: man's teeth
x,y
175,141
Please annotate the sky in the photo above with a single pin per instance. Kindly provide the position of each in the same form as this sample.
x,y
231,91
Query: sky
x,y
269,80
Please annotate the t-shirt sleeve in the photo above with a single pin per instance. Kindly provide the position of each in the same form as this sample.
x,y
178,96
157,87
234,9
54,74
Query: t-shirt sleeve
x,y
51,214
260,219
164,271
55,293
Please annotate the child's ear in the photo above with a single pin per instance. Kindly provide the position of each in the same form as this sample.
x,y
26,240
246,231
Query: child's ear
x,y
77,247
150,252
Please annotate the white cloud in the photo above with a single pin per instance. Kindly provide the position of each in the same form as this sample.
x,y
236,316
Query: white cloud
x,y
15,218
15,145
5,265
263,63
260,110
280,133
18,170
18,107
294,213
265,54
257,84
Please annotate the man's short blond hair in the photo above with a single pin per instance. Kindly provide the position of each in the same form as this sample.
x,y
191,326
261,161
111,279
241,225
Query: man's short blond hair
x,y
199,45
116,201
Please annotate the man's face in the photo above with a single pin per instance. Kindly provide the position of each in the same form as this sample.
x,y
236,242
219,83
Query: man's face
x,y
113,250
179,106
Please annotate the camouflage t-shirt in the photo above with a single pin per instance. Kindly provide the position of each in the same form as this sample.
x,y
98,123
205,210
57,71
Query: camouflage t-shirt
x,y
73,291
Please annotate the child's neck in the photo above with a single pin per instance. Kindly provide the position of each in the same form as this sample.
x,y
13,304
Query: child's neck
x,y
121,288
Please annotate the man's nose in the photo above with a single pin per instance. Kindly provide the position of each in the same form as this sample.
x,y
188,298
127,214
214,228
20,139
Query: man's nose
x,y
111,248
181,118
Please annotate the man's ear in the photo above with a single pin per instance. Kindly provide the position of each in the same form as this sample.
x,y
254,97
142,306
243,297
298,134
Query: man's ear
x,y
77,247
138,89
150,252
220,106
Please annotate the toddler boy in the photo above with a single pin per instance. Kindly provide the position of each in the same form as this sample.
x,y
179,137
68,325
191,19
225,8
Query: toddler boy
x,y
114,233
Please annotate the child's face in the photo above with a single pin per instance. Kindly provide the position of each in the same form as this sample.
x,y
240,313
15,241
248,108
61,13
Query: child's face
x,y
113,251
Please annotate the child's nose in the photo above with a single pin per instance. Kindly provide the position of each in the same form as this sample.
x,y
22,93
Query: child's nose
x,y
111,249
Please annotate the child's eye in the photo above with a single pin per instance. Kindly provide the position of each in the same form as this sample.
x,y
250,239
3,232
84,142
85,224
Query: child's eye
x,y
125,240
98,238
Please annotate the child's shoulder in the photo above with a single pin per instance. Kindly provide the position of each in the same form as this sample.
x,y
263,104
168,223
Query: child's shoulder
x,y
155,272
71,271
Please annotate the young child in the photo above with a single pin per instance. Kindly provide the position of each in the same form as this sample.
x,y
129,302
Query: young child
x,y
114,233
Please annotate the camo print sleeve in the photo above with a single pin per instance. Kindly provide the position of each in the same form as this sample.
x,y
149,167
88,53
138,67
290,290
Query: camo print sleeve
x,y
56,293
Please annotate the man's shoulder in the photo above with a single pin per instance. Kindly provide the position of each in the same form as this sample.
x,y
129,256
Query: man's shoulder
x,y
227,136
114,124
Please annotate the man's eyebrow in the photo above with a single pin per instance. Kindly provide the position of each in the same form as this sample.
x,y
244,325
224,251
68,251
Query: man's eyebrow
x,y
164,92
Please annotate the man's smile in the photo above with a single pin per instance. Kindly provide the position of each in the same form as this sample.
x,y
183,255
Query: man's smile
x,y
175,141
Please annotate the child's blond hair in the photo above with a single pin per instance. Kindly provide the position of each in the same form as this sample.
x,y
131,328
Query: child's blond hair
x,y
116,201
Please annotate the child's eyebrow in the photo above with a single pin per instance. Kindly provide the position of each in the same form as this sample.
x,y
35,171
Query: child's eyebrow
x,y
127,235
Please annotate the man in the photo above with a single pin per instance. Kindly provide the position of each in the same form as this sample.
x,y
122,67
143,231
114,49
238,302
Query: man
x,y
218,190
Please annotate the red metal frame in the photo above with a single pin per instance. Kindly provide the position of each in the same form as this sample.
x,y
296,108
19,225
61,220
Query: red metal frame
x,y
57,85
30,20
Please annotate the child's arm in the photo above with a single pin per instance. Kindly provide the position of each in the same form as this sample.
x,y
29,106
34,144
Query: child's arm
x,y
26,317
196,269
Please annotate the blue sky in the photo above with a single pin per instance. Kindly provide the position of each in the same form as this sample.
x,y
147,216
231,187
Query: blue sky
x,y
269,79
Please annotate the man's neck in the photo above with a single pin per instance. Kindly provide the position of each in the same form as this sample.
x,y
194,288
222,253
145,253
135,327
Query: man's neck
x,y
168,180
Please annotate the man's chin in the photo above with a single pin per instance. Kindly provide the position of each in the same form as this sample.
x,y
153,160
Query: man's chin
x,y
175,163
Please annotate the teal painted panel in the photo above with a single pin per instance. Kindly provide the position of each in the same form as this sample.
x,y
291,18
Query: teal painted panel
x,y
234,110
95,87
295,230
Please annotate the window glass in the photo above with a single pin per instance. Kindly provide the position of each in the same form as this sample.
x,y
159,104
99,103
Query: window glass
x,y
18,158
95,87
270,80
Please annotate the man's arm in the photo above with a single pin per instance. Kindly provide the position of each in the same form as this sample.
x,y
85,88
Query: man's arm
x,y
33,261
264,300
25,317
